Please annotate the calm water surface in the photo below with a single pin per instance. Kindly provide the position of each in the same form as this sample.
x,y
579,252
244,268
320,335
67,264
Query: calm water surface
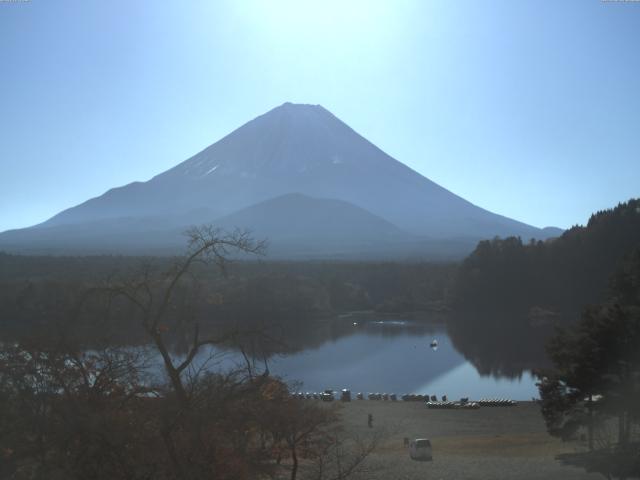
x,y
392,356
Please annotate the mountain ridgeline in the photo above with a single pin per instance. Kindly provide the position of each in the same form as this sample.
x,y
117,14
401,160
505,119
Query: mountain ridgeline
x,y
297,175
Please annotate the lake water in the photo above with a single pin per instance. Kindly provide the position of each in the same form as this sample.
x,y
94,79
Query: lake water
x,y
392,356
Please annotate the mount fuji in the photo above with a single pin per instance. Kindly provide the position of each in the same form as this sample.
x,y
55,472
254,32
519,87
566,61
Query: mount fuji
x,y
297,175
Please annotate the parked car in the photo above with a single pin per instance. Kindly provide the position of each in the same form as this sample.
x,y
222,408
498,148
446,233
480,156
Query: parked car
x,y
420,449
327,396
345,395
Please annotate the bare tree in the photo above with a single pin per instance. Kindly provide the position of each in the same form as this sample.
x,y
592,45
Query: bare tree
x,y
153,296
66,413
343,456
69,411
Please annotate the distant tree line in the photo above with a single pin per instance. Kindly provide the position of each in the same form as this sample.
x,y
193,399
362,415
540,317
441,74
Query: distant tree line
x,y
38,291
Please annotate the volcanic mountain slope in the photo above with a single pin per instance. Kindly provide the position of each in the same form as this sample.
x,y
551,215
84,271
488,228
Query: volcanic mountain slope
x,y
297,225
292,224
295,216
291,149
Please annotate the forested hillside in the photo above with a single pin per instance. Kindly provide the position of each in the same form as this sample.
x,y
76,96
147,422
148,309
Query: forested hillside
x,y
509,295
37,292
561,275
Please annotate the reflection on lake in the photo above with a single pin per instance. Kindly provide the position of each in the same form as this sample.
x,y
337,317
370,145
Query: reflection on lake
x,y
390,356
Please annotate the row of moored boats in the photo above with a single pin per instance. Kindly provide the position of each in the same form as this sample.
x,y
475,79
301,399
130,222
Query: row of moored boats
x,y
454,405
430,400
497,402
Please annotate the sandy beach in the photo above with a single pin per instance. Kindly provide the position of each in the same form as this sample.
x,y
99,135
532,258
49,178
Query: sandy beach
x,y
489,443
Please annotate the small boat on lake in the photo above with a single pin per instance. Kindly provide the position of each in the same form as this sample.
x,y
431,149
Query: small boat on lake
x,y
434,344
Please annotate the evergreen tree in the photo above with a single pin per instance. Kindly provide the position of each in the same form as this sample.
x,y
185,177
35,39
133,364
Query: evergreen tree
x,y
596,375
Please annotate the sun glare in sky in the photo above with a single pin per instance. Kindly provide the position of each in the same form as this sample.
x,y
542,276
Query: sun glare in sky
x,y
308,32
540,97
314,22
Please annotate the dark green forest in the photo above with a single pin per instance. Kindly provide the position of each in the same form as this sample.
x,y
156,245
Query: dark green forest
x,y
294,299
594,384
509,295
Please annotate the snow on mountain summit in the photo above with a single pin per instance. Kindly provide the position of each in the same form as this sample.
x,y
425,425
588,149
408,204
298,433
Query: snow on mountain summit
x,y
289,138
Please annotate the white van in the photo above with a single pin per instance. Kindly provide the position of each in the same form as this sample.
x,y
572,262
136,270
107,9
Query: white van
x,y
420,449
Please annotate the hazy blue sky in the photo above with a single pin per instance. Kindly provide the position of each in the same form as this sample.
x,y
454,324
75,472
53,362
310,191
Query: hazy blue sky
x,y
530,109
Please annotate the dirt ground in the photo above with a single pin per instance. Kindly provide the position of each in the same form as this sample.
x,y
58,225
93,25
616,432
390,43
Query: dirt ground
x,y
489,443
